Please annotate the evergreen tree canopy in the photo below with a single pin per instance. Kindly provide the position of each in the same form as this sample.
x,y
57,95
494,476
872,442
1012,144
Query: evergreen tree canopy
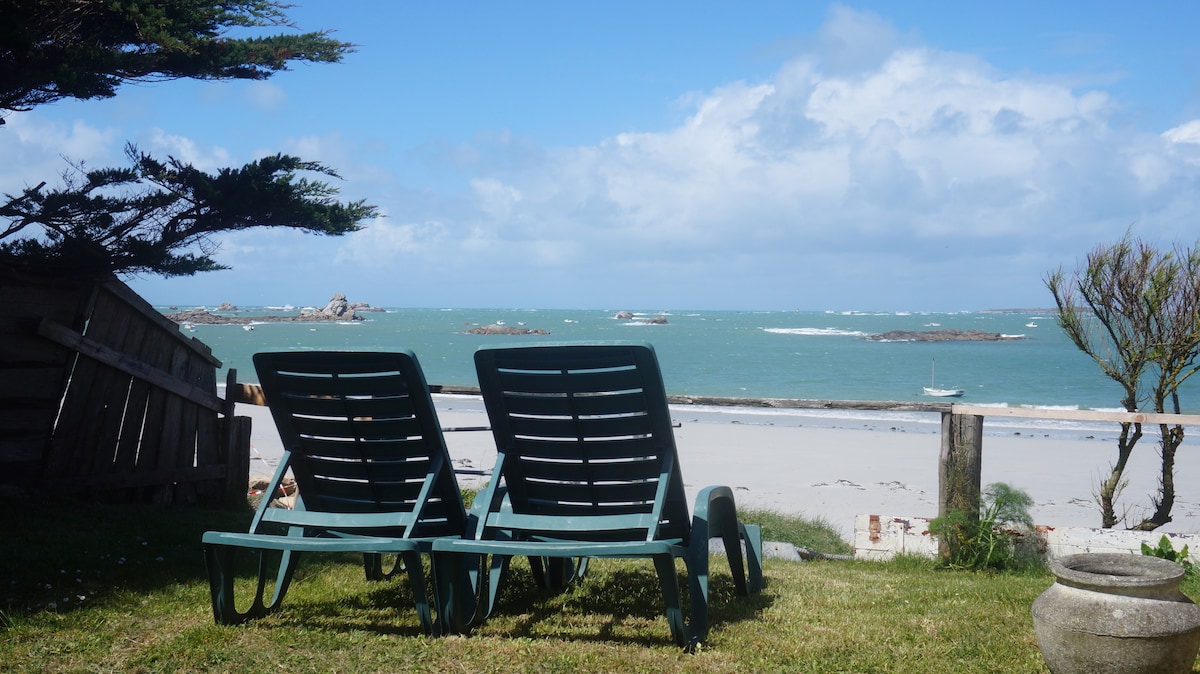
x,y
138,219
153,216
85,49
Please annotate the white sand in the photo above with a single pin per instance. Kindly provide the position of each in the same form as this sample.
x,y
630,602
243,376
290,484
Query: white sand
x,y
836,473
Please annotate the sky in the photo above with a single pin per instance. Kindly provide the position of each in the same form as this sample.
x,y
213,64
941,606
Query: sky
x,y
864,156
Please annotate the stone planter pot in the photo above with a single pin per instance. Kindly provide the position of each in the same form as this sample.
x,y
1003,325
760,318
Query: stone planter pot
x,y
1112,612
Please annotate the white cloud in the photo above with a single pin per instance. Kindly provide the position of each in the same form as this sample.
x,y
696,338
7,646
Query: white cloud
x,y
36,149
1188,132
911,145
383,242
495,198
158,143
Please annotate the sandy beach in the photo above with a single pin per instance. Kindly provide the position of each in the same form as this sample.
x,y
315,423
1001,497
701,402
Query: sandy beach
x,y
837,473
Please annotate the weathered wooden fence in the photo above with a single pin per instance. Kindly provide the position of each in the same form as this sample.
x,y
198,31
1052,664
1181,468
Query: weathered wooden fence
x,y
100,394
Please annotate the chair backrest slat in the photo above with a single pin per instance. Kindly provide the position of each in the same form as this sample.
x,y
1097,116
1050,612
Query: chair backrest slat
x,y
363,437
585,432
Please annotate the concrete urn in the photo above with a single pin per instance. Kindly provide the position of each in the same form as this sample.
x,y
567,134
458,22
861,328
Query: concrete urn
x,y
1113,612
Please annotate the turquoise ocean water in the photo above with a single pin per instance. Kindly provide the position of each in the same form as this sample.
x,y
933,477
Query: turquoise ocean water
x,y
783,354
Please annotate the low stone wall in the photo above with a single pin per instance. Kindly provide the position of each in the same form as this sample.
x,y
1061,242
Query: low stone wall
x,y
880,537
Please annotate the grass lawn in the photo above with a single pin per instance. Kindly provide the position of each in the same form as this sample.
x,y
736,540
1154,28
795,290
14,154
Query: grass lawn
x,y
95,588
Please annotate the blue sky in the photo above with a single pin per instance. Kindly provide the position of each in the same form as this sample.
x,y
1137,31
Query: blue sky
x,y
872,156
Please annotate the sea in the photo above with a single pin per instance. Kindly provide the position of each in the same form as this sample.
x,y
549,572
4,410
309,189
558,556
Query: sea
x,y
757,354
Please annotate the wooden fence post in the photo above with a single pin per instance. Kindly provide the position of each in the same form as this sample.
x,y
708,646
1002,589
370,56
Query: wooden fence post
x,y
960,469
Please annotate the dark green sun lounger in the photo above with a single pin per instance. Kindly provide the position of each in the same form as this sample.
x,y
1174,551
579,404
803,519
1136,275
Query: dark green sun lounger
x,y
361,437
587,467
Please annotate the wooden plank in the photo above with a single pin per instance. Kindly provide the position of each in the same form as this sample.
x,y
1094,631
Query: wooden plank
x,y
795,403
1079,415
111,325
237,477
31,383
126,480
251,394
25,348
26,419
197,433
16,447
208,450
125,363
129,432
156,401
168,424
68,455
140,305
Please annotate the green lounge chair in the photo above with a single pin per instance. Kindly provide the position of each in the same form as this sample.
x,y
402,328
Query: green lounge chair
x,y
361,437
587,467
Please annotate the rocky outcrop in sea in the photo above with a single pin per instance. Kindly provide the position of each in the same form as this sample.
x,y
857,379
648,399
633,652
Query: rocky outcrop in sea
x,y
943,336
497,329
337,309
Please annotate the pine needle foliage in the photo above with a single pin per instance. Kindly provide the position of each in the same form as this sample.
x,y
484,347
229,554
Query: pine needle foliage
x,y
160,216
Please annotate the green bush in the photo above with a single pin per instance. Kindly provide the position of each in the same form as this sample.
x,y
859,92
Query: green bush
x,y
1166,551
998,537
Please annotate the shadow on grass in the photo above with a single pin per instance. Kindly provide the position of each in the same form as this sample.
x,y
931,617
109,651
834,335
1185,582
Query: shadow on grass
x,y
617,602
64,554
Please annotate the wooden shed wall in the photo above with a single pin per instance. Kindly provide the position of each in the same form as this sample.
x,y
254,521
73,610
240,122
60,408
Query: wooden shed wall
x,y
102,394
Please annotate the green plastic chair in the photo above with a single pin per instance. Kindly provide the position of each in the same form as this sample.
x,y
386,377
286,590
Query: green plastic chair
x,y
587,467
362,440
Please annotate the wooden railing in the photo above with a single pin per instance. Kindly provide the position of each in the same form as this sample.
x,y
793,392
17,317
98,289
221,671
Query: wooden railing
x,y
961,457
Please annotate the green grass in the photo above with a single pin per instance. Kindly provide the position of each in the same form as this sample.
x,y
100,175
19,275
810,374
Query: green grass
x,y
145,608
817,535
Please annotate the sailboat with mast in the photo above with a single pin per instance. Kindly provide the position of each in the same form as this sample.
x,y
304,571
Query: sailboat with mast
x,y
933,390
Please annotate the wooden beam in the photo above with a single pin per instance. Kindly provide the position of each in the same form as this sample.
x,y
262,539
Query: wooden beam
x,y
1078,415
123,362
250,394
138,303
960,471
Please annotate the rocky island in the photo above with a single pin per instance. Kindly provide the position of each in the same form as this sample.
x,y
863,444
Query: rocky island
x,y
943,336
498,329
337,309
628,316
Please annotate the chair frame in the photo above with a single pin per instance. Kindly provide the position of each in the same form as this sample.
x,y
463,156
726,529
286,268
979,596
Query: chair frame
x,y
363,442
587,467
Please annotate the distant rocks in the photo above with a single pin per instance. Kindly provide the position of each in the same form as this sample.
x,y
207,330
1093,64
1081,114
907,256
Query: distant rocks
x,y
204,317
497,329
628,316
944,336
337,309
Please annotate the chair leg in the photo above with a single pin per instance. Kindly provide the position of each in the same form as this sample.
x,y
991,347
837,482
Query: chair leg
x,y
465,589
667,579
557,573
219,561
752,534
416,579
732,539
373,566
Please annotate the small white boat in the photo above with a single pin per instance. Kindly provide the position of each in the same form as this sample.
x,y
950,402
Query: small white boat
x,y
247,328
933,390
